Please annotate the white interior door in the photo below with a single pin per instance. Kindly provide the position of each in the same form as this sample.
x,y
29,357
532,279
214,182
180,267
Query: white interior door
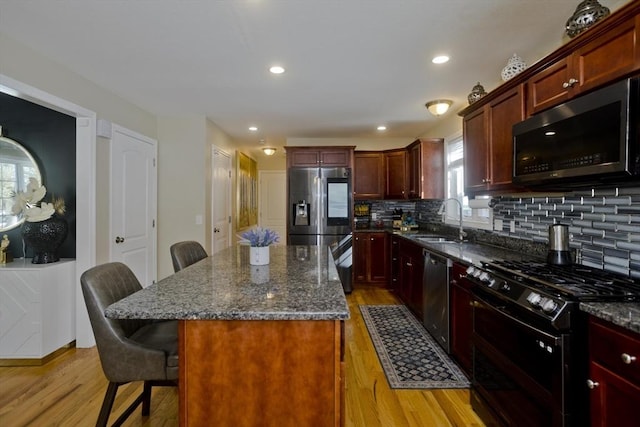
x,y
220,200
134,203
273,202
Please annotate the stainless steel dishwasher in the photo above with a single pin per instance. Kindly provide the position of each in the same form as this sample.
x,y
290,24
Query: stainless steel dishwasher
x,y
436,297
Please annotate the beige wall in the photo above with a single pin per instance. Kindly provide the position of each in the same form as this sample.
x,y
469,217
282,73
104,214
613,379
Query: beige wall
x,y
181,193
276,162
27,66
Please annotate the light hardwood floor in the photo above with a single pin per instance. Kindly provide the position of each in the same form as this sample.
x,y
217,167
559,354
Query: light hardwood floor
x,y
68,391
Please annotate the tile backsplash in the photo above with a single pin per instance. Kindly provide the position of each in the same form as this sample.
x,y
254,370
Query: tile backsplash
x,y
604,224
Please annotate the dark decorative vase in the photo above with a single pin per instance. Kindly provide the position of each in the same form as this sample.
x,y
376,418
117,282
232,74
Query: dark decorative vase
x,y
587,13
45,238
477,93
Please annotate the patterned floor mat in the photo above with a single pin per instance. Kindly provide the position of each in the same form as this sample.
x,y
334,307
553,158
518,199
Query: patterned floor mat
x,y
409,356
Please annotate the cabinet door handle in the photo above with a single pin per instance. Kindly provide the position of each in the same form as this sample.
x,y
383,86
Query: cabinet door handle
x,y
571,83
592,384
409,264
627,358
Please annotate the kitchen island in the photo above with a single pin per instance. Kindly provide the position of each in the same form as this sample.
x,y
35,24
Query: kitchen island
x,y
258,345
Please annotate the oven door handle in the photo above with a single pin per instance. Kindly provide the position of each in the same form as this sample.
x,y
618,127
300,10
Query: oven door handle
x,y
557,341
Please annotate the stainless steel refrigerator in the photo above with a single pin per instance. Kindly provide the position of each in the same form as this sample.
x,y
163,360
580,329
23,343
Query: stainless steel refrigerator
x,y
320,201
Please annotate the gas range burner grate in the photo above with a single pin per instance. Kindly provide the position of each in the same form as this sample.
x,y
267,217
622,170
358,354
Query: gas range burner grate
x,y
576,281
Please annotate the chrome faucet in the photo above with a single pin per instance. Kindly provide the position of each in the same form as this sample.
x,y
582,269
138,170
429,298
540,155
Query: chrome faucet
x,y
461,233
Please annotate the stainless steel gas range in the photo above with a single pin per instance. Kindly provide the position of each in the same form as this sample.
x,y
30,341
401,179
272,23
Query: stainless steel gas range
x,y
530,340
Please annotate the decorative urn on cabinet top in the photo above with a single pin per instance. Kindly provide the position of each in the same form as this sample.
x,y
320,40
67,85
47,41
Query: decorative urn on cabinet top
x,y
587,13
477,92
514,66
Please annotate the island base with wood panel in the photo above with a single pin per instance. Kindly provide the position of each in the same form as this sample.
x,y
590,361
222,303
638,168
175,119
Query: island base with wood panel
x,y
283,372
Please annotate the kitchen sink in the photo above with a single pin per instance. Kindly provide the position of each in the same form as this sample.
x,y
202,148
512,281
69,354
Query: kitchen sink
x,y
435,239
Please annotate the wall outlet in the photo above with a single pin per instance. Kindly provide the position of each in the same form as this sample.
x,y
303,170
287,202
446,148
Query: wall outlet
x,y
198,219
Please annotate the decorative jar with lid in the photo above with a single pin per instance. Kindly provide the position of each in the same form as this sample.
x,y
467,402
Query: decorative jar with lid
x,y
587,13
476,93
515,66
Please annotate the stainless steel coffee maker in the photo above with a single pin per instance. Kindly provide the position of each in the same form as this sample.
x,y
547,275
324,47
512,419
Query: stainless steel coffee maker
x,y
559,253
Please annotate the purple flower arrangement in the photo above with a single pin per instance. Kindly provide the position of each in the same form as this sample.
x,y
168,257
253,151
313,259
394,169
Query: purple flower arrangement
x,y
259,237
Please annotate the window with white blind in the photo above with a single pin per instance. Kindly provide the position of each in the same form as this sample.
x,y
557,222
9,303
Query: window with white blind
x,y
475,213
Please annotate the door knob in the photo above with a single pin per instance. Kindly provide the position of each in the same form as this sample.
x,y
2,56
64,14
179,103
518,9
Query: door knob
x,y
119,239
592,384
216,230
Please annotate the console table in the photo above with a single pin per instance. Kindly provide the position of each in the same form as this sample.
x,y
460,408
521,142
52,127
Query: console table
x,y
37,310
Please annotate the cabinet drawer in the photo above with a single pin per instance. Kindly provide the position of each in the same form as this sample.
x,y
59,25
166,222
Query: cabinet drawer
x,y
609,346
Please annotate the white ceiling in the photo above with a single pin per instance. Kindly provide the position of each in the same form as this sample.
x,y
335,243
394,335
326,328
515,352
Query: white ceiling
x,y
351,64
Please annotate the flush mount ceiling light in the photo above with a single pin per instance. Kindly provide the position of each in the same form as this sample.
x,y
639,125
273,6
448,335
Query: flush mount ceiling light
x,y
269,151
276,69
439,106
441,59
381,128
253,128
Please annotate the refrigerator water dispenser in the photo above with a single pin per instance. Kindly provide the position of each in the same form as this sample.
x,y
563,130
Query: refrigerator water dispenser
x,y
301,213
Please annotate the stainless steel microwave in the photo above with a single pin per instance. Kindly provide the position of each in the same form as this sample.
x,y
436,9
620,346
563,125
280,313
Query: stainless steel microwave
x,y
592,138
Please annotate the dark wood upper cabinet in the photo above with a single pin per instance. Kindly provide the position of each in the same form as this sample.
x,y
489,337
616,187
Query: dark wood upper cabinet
x,y
488,143
426,169
476,140
600,61
547,88
319,156
396,174
369,175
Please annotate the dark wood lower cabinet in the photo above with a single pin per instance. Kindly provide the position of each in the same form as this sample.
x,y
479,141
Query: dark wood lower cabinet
x,y
461,317
411,269
614,375
371,258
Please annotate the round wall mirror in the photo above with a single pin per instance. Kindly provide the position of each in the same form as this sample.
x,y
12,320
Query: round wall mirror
x,y
16,167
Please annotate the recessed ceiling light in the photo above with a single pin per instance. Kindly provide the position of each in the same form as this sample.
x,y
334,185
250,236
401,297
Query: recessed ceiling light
x,y
381,128
441,59
276,69
253,128
550,133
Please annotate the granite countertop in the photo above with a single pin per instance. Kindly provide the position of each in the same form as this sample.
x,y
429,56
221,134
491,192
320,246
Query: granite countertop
x,y
625,314
468,252
300,283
